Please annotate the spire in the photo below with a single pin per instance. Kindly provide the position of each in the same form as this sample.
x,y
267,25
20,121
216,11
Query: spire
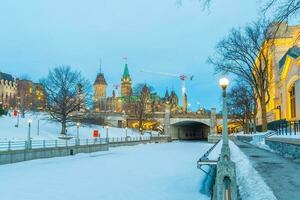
x,y
100,66
126,72
100,79
167,93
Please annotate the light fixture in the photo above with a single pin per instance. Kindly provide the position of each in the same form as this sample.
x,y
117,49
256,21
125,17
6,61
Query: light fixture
x,y
223,82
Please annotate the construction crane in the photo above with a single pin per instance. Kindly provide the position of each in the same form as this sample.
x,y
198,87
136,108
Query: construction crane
x,y
182,77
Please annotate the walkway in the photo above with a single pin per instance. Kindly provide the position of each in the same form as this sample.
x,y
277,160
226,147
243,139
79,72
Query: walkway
x,y
280,174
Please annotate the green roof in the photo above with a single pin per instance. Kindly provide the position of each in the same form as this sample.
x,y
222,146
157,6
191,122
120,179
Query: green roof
x,y
126,72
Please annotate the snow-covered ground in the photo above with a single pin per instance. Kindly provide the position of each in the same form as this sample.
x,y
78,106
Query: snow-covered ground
x,y
153,171
51,130
250,183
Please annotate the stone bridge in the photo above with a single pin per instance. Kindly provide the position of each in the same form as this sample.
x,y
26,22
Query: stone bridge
x,y
190,126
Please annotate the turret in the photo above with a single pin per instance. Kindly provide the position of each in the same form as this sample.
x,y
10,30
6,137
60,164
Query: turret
x,y
126,83
100,86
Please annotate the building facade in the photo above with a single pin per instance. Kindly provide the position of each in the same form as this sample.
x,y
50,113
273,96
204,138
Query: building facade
x,y
8,90
126,102
30,96
284,75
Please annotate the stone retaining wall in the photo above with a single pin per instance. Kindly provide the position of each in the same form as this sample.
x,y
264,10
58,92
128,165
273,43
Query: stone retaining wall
x,y
289,148
13,156
244,138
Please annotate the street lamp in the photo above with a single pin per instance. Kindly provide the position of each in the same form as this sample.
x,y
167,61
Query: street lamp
x,y
126,129
224,83
77,136
29,133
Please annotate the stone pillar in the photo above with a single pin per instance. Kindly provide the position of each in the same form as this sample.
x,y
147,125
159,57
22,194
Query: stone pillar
x,y
297,94
167,120
213,121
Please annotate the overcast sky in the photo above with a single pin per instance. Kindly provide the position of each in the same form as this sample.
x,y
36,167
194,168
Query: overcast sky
x,y
156,35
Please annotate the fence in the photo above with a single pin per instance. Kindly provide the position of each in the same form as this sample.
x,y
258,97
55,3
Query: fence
x,y
36,144
18,151
288,128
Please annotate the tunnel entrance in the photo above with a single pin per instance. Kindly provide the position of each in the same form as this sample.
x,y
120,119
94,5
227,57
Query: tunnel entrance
x,y
190,130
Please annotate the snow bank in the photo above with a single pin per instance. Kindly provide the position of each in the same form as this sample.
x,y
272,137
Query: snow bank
x,y
51,130
250,183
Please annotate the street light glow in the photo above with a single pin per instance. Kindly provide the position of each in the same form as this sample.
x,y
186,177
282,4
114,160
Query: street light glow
x,y
29,121
223,82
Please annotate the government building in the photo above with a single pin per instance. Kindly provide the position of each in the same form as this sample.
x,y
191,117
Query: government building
x,y
284,75
123,103
21,94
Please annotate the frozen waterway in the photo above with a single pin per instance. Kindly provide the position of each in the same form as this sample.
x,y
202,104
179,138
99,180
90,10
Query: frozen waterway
x,y
152,171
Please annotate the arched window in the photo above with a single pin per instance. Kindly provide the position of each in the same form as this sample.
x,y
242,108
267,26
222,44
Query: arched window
x,y
292,101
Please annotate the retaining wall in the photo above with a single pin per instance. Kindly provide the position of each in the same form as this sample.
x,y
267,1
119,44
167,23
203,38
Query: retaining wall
x,y
289,148
13,156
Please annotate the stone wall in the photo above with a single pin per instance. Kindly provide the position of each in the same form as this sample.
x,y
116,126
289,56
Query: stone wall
x,y
13,156
244,138
286,147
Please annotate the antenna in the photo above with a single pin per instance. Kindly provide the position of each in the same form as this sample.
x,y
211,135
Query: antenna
x,y
100,65
125,59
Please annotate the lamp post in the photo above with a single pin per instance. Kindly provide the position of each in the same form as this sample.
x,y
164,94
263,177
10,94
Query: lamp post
x,y
224,83
29,134
77,136
106,127
126,129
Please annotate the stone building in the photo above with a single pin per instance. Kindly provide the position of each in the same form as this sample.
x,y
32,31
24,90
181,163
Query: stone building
x,y
30,95
8,90
126,89
284,75
126,102
100,87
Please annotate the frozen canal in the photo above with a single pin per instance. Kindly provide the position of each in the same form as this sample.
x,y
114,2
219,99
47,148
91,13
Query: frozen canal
x,y
152,171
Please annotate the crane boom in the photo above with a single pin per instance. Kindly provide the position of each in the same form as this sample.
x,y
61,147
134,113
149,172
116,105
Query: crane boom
x,y
161,73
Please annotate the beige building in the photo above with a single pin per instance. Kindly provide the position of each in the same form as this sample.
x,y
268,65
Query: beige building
x,y
284,75
8,90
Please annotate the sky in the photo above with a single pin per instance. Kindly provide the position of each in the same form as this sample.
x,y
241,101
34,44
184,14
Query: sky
x,y
155,35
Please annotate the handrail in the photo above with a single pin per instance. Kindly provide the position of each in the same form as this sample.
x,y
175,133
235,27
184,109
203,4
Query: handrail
x,y
35,144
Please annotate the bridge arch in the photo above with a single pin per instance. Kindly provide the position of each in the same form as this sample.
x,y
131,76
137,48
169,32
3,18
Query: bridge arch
x,y
188,129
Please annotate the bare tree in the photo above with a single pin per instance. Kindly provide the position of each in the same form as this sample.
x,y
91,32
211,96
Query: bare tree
x,y
280,10
143,105
241,105
24,97
63,97
244,53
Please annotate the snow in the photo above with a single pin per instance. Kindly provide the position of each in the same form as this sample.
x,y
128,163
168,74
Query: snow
x,y
153,171
51,130
250,183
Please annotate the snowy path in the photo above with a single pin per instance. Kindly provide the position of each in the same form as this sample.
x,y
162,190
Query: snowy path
x,y
280,174
152,171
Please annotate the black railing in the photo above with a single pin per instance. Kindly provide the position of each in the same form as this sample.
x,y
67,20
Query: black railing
x,y
288,128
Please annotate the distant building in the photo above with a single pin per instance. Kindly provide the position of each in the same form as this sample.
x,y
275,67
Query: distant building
x,y
30,95
100,87
125,102
8,90
126,89
284,75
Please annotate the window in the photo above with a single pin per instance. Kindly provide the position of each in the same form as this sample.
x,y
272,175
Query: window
x,y
292,102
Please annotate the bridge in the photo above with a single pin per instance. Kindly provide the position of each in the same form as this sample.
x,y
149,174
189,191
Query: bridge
x,y
190,126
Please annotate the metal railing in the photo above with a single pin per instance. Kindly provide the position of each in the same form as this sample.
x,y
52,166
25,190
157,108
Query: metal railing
x,y
288,128
36,144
